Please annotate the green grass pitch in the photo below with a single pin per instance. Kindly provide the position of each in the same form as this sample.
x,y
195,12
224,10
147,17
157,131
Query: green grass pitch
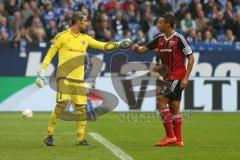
x,y
209,136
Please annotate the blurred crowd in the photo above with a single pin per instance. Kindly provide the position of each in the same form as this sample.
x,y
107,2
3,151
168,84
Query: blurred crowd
x,y
210,21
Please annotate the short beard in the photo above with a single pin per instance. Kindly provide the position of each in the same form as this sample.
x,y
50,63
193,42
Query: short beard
x,y
81,30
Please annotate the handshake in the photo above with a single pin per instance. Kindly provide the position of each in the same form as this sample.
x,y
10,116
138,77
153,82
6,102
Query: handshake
x,y
41,80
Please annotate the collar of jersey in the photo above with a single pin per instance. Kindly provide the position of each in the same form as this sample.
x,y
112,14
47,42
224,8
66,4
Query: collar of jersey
x,y
169,37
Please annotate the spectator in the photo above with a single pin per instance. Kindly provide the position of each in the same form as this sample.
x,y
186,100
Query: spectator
x,y
180,14
101,10
94,5
141,39
176,4
132,14
214,11
198,8
163,7
147,22
33,4
127,34
219,24
52,30
92,33
48,14
4,36
36,31
209,27
12,6
107,36
119,25
194,36
116,8
126,4
3,24
208,37
90,25
17,21
208,7
21,37
193,5
73,4
111,4
153,31
236,3
222,4
37,14
201,21
229,10
104,32
62,11
236,30
147,6
133,19
3,12
228,16
84,9
229,37
26,11
66,22
187,23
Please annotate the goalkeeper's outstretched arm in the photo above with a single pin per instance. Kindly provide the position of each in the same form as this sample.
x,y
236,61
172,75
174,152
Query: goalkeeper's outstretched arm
x,y
109,46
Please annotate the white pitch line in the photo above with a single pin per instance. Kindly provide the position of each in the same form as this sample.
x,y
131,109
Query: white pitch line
x,y
113,148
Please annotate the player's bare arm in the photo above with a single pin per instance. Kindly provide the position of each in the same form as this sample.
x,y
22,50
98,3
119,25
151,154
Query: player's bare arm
x,y
184,81
139,49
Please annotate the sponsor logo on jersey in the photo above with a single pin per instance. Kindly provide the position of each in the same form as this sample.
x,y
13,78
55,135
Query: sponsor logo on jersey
x,y
165,50
75,50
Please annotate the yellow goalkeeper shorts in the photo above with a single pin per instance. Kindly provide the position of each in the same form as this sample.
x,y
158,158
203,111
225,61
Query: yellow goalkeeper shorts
x,y
68,89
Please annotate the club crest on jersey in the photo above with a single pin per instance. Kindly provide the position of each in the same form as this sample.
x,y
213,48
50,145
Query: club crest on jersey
x,y
83,42
171,43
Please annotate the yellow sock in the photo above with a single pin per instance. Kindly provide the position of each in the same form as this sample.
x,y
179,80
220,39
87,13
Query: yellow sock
x,y
52,123
80,130
59,109
81,121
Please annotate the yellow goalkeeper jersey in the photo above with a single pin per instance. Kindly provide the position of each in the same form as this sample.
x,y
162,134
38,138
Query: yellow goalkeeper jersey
x,y
71,50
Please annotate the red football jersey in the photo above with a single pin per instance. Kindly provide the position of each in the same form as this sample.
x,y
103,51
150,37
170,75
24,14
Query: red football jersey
x,y
172,52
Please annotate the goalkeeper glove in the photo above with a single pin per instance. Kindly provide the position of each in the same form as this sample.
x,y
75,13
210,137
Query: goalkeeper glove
x,y
156,72
125,43
41,80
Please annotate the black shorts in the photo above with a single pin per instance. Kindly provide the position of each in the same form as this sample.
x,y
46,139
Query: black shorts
x,y
170,89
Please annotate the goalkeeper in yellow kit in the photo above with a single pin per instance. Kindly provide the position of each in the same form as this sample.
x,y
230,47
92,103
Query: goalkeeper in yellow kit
x,y
71,46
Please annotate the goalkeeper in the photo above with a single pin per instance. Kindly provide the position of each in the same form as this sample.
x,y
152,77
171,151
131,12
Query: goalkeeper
x,y
71,46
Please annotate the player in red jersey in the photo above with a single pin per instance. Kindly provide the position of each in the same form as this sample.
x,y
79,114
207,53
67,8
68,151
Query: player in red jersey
x,y
172,51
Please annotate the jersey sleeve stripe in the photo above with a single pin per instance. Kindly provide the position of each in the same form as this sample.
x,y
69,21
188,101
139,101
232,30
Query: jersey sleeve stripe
x,y
183,40
187,50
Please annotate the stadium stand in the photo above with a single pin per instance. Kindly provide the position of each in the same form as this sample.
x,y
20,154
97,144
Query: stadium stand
x,y
210,21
